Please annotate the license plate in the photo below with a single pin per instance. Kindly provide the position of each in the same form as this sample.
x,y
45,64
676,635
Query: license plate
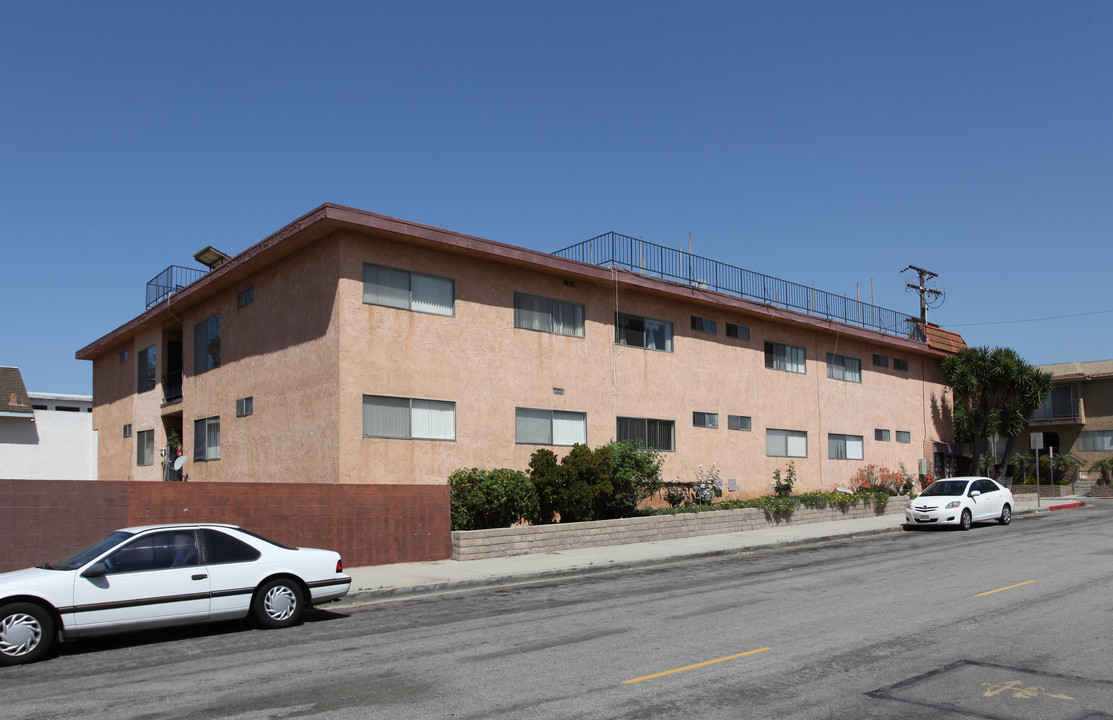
x,y
921,516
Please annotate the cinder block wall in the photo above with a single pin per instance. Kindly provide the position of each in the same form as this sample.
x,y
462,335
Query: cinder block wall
x,y
41,520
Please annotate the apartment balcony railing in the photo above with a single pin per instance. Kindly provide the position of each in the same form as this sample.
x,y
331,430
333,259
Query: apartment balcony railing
x,y
172,386
678,266
170,280
1061,409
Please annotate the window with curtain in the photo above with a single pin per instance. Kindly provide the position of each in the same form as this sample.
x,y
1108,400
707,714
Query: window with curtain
x,y
844,447
408,418
786,443
206,345
145,447
841,367
904,436
787,358
206,439
533,312
1095,440
643,332
418,292
533,426
647,432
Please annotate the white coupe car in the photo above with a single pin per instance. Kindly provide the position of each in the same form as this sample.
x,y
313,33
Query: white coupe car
x,y
961,501
160,575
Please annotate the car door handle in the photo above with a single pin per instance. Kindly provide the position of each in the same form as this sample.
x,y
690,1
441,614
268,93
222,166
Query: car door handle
x,y
200,577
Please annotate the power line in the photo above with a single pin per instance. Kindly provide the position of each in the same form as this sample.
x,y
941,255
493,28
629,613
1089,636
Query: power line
x,y
1013,322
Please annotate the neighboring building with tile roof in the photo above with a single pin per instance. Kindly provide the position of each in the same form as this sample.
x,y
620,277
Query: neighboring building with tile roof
x,y
351,347
1077,417
44,436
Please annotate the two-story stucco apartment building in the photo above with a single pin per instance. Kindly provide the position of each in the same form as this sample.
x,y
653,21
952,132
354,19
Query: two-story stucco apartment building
x,y
350,347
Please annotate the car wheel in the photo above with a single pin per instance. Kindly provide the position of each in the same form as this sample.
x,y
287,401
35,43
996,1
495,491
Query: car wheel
x,y
278,603
1006,515
966,520
26,633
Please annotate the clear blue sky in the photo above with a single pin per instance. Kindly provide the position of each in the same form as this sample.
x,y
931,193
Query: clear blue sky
x,y
828,143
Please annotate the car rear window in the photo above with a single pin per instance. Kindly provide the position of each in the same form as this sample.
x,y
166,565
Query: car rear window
x,y
223,548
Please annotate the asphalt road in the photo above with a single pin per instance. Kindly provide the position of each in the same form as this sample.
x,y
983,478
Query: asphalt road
x,y
998,622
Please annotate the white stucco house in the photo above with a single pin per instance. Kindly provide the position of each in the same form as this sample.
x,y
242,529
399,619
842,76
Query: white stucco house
x,y
44,436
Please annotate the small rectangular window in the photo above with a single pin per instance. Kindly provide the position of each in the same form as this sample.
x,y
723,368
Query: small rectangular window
x,y
147,368
123,356
533,312
127,430
899,364
788,358
903,436
740,332
786,443
643,332
738,422
881,361
206,345
704,325
145,447
245,406
408,290
881,435
841,367
206,439
705,419
245,297
844,447
648,432
408,418
549,427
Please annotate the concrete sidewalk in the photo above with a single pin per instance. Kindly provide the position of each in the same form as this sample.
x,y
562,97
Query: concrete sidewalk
x,y
380,583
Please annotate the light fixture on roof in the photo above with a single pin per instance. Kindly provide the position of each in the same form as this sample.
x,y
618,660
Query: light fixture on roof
x,y
211,258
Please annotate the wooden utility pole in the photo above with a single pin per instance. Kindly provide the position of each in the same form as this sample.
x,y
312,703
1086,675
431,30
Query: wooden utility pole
x,y
923,289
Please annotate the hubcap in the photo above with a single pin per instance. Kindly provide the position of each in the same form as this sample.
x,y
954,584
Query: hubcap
x,y
19,634
280,603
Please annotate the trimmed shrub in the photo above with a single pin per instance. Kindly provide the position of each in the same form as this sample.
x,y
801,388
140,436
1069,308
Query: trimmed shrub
x,y
599,484
482,499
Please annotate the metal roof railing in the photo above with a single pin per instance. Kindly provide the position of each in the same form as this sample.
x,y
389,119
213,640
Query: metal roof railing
x,y
171,280
676,265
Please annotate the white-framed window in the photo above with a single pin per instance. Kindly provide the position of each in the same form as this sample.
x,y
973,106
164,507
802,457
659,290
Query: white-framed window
x,y
705,419
881,435
148,369
844,447
245,406
1095,440
841,367
145,447
648,432
786,443
788,358
881,361
643,332
206,439
206,345
704,325
739,332
899,364
904,436
738,422
534,426
408,290
408,418
560,317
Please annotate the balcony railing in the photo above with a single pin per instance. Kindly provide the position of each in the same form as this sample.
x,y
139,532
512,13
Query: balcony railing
x,y
172,386
170,280
676,265
1059,409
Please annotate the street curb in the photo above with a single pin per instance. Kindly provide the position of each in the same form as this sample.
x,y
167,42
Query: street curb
x,y
378,595
1068,506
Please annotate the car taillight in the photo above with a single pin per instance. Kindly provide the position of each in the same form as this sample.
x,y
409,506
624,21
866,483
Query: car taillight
x,y
340,565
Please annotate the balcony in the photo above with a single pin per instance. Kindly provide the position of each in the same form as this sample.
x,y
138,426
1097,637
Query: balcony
x,y
170,281
1059,411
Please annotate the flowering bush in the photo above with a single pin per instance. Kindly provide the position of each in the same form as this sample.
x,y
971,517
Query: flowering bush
x,y
874,479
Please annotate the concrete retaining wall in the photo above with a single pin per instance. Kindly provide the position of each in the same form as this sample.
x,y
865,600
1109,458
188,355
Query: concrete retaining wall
x,y
527,540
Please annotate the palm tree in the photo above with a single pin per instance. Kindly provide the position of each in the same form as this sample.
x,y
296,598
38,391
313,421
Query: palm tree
x,y
1105,467
994,392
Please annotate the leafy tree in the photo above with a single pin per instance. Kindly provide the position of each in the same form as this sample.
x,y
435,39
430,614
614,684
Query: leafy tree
x,y
995,392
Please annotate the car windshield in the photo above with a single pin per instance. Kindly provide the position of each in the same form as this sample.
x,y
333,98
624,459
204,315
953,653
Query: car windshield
x,y
945,487
79,557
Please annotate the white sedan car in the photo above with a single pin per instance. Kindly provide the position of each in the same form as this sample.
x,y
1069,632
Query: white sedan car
x,y
160,575
961,501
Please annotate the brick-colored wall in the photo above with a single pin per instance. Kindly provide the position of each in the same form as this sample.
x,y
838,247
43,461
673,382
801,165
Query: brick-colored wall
x,y
41,520
502,542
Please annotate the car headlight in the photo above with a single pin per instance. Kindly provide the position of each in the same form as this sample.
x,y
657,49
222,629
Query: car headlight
x,y
953,504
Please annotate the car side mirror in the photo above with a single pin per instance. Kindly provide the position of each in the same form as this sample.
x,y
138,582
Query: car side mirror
x,y
975,493
96,570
